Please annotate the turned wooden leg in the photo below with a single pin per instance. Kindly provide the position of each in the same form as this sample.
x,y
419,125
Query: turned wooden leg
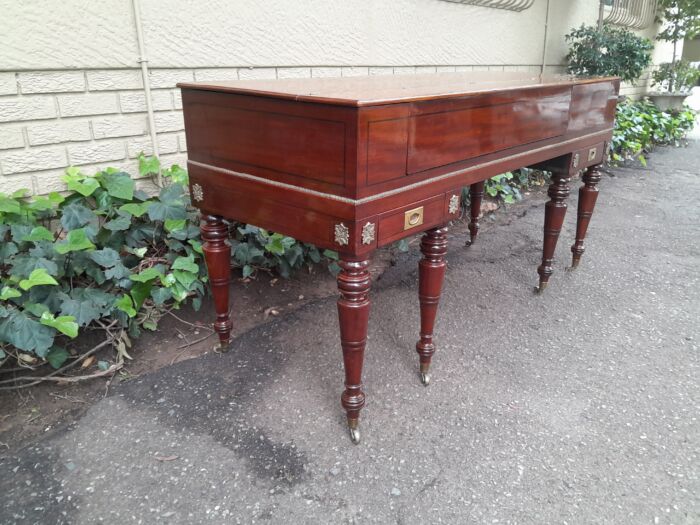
x,y
431,273
554,213
476,193
353,314
587,195
217,254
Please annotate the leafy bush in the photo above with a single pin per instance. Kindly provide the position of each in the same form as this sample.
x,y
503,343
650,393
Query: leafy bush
x,y
105,252
610,52
640,125
675,77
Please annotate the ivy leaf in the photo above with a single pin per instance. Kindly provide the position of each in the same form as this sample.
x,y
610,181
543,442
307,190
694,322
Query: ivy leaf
x,y
56,356
65,324
118,271
25,264
76,215
148,165
9,293
118,184
120,223
196,246
139,293
37,309
164,210
135,208
106,257
160,295
86,305
7,250
76,240
247,271
37,278
126,305
8,204
185,263
147,275
39,233
25,333
185,278
173,225
84,185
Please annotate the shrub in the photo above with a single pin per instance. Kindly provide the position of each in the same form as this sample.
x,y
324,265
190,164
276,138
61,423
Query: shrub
x,y
675,77
640,125
610,52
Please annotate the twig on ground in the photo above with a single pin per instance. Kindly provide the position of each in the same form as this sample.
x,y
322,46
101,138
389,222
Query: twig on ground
x,y
198,326
67,398
52,375
74,379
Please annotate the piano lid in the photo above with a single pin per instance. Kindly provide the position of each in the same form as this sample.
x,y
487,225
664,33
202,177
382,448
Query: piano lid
x,y
391,89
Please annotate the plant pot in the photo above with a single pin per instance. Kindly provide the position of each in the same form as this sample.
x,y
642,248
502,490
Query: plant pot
x,y
668,101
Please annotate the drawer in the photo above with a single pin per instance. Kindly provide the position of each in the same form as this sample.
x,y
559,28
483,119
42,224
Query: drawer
x,y
412,218
588,156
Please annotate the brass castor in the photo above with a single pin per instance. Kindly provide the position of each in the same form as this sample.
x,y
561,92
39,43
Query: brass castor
x,y
353,427
541,288
424,375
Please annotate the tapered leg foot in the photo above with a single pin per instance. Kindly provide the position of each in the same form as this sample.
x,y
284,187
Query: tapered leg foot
x,y
353,427
554,213
587,196
217,255
431,273
476,194
353,315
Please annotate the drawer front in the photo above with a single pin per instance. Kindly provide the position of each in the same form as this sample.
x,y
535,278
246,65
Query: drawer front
x,y
588,156
411,219
442,138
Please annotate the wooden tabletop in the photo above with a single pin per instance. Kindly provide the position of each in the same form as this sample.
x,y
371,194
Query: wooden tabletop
x,y
389,89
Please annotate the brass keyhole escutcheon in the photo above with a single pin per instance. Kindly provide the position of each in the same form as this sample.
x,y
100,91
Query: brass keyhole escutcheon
x,y
591,153
413,218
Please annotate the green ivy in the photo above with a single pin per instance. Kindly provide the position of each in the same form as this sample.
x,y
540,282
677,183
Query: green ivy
x,y
106,252
639,125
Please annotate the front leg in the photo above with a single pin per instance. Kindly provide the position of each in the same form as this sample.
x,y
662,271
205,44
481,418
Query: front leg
x,y
554,213
217,255
587,196
353,314
431,273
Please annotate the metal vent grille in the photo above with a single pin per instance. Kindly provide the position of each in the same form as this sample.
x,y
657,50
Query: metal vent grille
x,y
637,14
511,5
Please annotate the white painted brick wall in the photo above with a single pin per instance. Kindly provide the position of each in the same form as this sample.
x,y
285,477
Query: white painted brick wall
x,y
24,161
57,131
12,183
119,126
110,80
88,104
135,101
8,84
14,109
51,81
171,121
167,143
11,137
167,78
94,152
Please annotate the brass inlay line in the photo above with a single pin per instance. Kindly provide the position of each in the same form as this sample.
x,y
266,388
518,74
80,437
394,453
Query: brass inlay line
x,y
388,193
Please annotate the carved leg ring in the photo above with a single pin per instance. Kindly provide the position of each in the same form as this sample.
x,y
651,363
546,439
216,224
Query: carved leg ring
x,y
476,193
587,196
431,273
353,314
554,213
217,255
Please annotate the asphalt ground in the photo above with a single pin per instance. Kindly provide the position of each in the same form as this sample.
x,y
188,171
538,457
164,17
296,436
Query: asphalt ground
x,y
577,406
